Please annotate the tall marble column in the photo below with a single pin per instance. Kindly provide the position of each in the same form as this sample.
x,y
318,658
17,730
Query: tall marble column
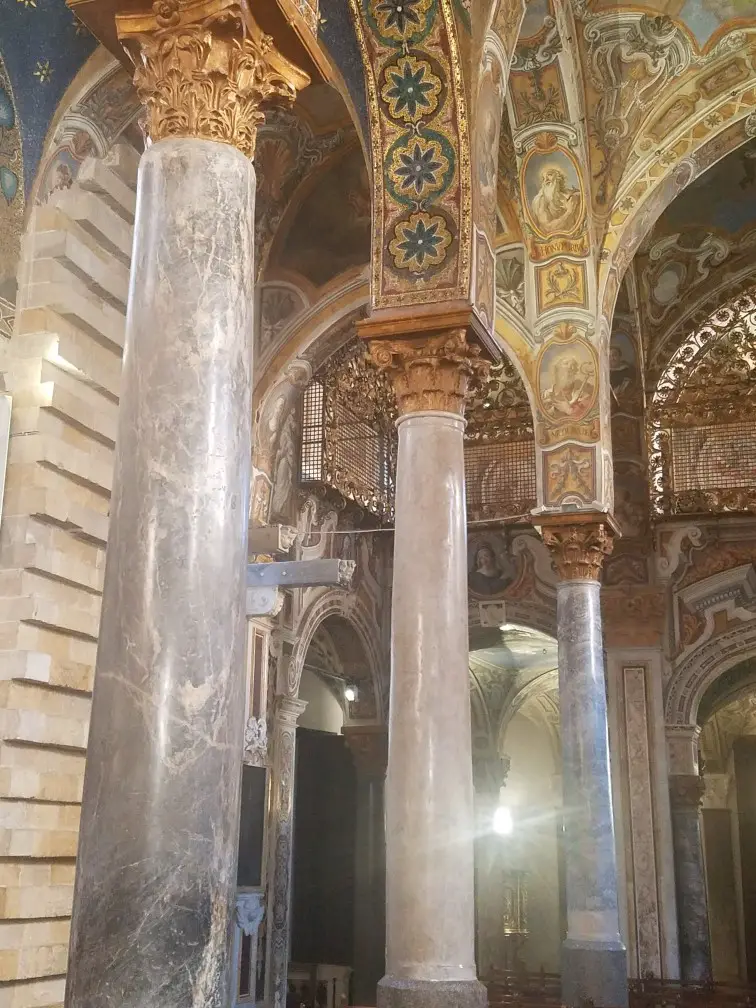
x,y
280,846
369,747
685,794
156,868
594,960
429,791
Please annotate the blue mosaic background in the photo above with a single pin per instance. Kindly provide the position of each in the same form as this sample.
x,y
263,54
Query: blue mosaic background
x,y
43,47
336,32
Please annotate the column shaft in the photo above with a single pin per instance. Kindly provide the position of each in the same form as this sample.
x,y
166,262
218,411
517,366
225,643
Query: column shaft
x,y
594,960
686,792
429,813
280,847
160,816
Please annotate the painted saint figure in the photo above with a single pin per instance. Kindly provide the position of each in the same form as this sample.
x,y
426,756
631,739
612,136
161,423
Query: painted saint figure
x,y
621,373
571,390
556,205
486,576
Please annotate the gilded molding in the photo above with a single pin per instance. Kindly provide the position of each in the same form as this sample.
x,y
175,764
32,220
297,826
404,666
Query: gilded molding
x,y
204,69
432,373
578,549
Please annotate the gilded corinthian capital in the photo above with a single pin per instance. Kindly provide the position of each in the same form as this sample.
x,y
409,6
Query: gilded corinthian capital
x,y
578,548
431,372
203,69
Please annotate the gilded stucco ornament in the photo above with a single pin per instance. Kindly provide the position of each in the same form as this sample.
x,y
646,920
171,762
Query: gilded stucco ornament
x,y
434,373
205,69
578,549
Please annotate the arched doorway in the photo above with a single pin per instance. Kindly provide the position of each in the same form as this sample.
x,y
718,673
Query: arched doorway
x,y
338,879
517,770
727,719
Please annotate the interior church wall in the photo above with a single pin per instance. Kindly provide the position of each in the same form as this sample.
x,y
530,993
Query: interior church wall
x,y
323,711
62,368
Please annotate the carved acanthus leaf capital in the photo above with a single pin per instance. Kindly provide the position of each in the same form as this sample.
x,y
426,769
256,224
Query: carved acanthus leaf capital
x,y
204,69
431,373
578,550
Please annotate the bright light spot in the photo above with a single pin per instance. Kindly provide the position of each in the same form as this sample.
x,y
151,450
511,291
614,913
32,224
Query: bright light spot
x,y
502,821
350,693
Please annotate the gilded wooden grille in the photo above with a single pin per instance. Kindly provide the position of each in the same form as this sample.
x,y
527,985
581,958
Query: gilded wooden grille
x,y
702,418
349,439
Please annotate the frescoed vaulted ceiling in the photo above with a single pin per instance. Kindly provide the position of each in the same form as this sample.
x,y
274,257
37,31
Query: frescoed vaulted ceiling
x,y
701,252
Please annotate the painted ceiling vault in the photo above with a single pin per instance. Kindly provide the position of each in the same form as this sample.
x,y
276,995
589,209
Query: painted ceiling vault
x,y
581,173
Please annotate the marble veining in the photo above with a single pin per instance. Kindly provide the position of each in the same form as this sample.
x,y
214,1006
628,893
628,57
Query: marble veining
x,y
692,903
156,875
429,791
281,846
594,959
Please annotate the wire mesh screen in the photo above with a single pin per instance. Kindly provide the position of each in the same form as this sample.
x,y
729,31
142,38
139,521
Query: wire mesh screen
x,y
715,457
348,437
311,466
349,440
358,458
500,478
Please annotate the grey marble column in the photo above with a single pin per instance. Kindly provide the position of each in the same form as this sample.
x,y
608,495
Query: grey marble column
x,y
368,745
280,847
429,792
156,869
685,794
594,960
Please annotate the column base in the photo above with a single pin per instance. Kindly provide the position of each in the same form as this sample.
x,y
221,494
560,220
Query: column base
x,y
594,973
396,993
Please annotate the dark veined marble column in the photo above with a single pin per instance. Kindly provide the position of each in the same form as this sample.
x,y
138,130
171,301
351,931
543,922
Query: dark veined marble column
x,y
156,868
594,960
281,846
430,958
685,795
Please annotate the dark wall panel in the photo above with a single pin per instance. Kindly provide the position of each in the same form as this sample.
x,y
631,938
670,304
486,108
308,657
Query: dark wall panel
x,y
324,827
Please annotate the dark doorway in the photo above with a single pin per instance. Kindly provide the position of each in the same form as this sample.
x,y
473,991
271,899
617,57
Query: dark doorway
x,y
324,850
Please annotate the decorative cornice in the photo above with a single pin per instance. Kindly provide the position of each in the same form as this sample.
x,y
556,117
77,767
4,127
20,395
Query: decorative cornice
x,y
686,791
435,372
203,70
578,548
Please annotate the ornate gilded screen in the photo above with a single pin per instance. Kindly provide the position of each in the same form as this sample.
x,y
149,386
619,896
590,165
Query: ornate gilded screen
x,y
348,434
702,419
349,439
